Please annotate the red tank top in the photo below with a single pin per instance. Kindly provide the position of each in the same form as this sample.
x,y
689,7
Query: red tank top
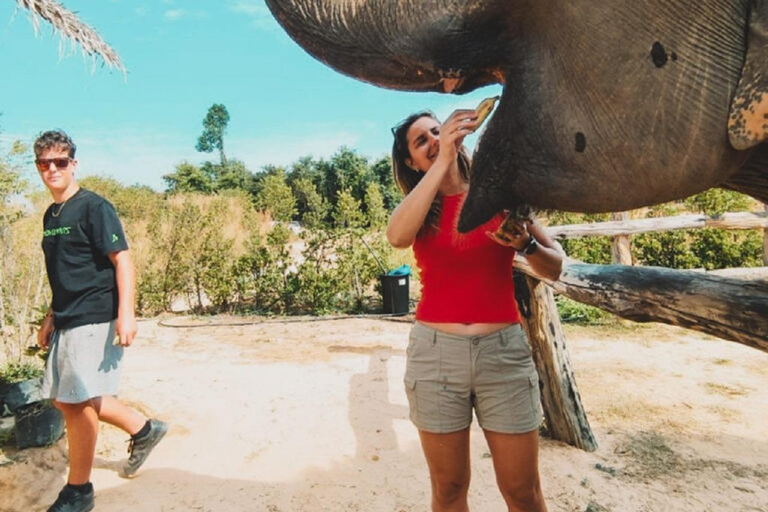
x,y
465,277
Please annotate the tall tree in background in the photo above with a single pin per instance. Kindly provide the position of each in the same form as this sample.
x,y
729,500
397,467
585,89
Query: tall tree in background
x,y
214,127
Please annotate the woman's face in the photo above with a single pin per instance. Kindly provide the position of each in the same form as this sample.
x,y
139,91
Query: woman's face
x,y
423,143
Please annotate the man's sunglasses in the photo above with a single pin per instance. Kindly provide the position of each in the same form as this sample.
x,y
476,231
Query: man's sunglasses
x,y
44,164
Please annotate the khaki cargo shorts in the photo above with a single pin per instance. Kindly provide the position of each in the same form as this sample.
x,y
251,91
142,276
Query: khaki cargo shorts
x,y
447,376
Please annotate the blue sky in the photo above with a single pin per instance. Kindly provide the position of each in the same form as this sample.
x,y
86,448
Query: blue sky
x,y
182,57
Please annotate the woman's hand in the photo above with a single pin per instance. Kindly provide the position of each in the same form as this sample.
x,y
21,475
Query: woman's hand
x,y
512,233
452,132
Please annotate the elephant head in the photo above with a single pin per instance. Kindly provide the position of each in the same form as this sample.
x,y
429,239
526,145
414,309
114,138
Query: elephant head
x,y
606,106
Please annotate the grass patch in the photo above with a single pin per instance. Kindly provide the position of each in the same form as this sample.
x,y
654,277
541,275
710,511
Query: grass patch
x,y
722,389
650,457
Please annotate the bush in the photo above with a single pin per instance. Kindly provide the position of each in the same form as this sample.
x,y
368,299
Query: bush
x,y
19,372
575,312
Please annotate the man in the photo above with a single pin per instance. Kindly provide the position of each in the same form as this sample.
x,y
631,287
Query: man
x,y
90,320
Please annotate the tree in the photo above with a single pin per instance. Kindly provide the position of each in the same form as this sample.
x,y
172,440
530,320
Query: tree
x,y
312,207
275,196
348,213
374,203
189,178
214,127
234,175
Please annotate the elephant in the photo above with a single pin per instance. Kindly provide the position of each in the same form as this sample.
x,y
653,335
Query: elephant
x,y
606,106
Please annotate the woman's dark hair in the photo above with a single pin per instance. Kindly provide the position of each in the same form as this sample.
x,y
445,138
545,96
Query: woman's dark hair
x,y
407,178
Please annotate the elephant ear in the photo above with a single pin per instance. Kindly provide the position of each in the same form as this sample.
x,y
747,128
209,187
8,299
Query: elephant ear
x,y
412,46
748,120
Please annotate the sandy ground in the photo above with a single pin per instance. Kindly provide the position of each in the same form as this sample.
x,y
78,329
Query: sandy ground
x,y
312,416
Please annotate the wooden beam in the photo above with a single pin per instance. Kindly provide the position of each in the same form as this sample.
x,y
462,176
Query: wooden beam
x,y
732,309
564,413
743,220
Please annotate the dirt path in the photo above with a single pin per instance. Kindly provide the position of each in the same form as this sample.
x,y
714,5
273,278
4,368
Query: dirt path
x,y
312,417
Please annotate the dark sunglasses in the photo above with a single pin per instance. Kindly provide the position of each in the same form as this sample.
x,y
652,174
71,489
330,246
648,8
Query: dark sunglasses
x,y
410,119
44,164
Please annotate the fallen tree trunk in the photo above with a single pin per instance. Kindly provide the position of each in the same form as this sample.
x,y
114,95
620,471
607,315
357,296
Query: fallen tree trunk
x,y
732,309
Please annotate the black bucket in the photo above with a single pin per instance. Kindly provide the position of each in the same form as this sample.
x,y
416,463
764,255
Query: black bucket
x,y
38,424
394,294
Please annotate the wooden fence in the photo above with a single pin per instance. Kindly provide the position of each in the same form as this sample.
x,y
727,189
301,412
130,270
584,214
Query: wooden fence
x,y
731,304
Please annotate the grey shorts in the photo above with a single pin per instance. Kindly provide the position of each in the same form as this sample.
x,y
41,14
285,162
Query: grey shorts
x,y
447,375
83,364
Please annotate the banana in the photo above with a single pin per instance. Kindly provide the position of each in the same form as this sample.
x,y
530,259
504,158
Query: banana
x,y
484,109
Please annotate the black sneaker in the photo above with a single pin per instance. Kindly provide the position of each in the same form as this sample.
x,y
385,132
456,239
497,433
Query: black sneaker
x,y
70,500
139,449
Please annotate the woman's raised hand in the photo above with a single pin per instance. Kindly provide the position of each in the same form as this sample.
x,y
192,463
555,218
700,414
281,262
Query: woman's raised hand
x,y
452,132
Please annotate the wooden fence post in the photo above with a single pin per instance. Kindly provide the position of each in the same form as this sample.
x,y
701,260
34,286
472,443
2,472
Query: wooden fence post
x,y
765,240
565,416
621,251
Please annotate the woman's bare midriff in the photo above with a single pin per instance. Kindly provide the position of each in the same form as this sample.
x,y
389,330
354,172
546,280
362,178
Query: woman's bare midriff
x,y
466,329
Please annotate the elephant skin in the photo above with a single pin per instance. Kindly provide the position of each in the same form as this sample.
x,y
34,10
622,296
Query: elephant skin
x,y
606,105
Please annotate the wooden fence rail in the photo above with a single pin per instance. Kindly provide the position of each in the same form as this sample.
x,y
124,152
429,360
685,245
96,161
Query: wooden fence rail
x,y
742,220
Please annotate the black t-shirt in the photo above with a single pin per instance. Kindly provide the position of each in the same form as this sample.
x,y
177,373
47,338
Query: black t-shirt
x,y
77,243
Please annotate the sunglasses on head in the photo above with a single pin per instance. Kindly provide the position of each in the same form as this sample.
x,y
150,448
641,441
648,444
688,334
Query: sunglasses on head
x,y
44,164
410,119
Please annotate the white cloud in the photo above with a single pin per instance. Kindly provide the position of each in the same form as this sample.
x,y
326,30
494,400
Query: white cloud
x,y
174,14
255,9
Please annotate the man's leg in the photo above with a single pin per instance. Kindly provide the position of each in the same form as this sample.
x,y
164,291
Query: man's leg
x,y
114,412
82,422
449,471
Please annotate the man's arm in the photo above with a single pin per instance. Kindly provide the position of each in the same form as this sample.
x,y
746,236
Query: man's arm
x,y
125,327
45,331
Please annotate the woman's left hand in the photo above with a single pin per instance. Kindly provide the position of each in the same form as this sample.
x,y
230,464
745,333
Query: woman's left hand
x,y
511,233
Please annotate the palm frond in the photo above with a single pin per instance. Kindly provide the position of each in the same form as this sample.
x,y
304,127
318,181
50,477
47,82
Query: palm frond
x,y
69,26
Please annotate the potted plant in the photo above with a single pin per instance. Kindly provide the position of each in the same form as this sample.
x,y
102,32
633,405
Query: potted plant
x,y
37,421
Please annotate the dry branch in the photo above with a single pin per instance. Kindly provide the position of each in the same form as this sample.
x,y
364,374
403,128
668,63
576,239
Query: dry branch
x,y
69,26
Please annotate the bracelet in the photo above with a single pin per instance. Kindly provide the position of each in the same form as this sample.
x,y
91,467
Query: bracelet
x,y
530,247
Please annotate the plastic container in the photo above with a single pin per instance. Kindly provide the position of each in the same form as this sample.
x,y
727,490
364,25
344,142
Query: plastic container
x,y
395,294
38,424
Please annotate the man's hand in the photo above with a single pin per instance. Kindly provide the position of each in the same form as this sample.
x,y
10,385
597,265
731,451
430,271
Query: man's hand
x,y
125,330
45,331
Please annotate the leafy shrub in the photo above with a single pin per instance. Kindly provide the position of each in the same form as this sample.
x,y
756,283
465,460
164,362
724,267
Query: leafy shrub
x,y
18,372
576,312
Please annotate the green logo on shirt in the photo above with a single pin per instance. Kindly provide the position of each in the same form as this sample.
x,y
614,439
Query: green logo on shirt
x,y
115,238
63,230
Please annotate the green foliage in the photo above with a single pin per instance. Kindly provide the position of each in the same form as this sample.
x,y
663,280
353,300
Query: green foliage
x,y
189,178
348,213
214,128
716,201
19,372
680,249
595,250
575,312
275,196
312,208
374,203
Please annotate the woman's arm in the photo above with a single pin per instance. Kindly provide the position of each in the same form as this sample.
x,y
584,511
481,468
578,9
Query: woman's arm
x,y
408,218
528,238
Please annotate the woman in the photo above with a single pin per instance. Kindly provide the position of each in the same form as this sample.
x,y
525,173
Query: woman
x,y
467,349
